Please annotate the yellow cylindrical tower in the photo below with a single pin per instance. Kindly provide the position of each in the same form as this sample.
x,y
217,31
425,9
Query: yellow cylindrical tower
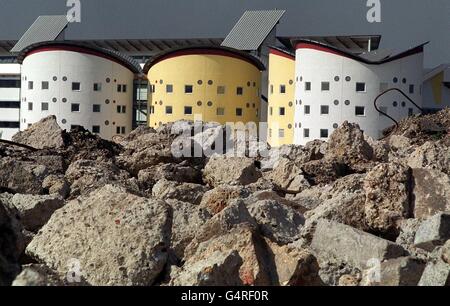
x,y
281,97
220,84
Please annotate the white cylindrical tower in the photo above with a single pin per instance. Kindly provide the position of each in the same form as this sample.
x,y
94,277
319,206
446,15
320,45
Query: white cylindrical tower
x,y
81,86
333,86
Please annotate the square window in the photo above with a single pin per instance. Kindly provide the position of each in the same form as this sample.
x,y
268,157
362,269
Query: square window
x,y
119,88
124,109
282,111
119,109
360,87
30,106
96,129
220,90
306,133
307,86
96,108
188,89
123,130
239,112
76,86
411,88
239,91
307,109
281,133
118,130
282,89
30,85
169,88
220,111
124,89
44,85
44,106
75,107
169,110
325,86
97,86
324,109
271,89
360,111
188,110
410,112
384,87
152,109
323,133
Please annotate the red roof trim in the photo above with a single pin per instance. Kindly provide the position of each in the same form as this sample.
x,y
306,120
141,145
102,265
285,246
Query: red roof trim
x,y
282,54
74,49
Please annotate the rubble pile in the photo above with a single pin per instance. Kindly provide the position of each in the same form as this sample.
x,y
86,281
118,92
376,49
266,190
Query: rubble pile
x,y
353,211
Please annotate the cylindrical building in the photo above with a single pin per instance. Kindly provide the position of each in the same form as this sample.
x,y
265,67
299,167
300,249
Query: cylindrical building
x,y
333,86
220,84
281,97
81,86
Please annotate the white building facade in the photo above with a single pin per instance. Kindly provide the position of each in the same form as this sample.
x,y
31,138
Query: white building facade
x,y
81,86
9,100
333,86
436,88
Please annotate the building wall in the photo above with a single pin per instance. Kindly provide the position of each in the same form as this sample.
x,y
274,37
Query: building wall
x,y
343,73
435,94
204,72
9,100
62,68
281,73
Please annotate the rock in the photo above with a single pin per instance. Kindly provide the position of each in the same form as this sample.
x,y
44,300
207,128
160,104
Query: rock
x,y
403,271
431,192
185,192
334,272
215,200
446,252
12,243
54,164
241,238
116,238
279,223
387,188
324,171
36,210
85,176
433,156
399,142
347,145
347,280
216,269
287,176
38,276
293,267
269,195
434,231
186,221
436,273
43,134
230,170
408,229
380,149
234,214
309,198
56,185
353,246
22,176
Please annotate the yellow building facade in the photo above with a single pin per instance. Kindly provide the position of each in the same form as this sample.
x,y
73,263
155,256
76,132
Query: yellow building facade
x,y
217,83
281,98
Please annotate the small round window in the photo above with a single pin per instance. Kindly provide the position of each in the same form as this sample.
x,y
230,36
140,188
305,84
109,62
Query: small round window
x,y
290,104
347,102
299,125
114,123
299,102
290,126
395,104
248,105
160,102
64,121
64,78
107,101
161,81
248,84
336,78
108,80
210,82
106,122
348,79
199,82
336,102
395,80
291,82
301,79
64,100
55,78
210,103
54,99
404,81
199,103
335,125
